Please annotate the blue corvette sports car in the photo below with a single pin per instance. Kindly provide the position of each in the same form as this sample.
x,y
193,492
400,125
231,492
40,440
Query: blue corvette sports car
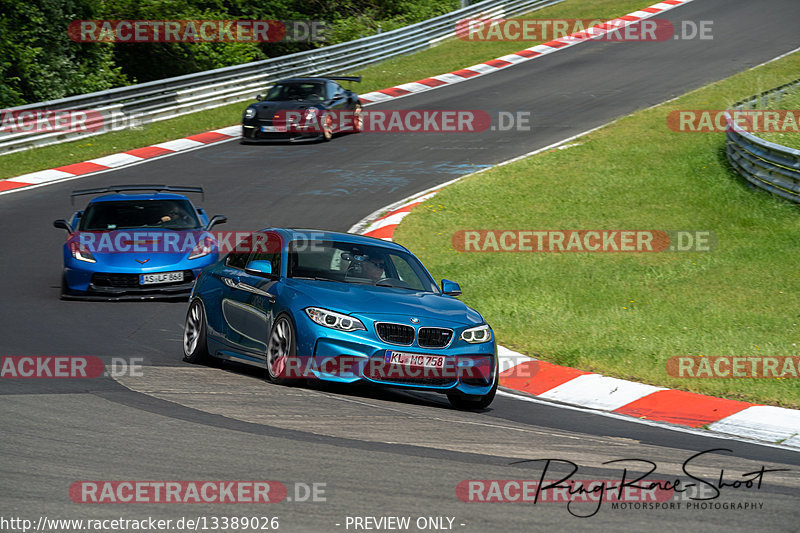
x,y
308,304
141,245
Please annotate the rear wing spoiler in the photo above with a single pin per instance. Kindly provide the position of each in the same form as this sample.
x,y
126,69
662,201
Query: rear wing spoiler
x,y
120,188
356,79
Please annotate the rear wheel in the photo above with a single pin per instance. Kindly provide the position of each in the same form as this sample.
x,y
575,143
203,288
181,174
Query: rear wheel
x,y
282,352
195,347
474,401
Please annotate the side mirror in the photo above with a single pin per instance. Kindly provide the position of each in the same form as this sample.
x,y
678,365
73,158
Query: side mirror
x,y
450,288
216,219
62,224
259,97
260,268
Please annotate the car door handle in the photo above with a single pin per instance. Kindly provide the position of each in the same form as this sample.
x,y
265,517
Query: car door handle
x,y
255,290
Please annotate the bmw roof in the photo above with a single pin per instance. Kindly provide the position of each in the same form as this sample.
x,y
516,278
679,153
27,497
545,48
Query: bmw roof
x,y
291,234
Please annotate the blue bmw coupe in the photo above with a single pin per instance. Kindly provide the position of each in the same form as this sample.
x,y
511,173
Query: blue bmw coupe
x,y
136,242
320,305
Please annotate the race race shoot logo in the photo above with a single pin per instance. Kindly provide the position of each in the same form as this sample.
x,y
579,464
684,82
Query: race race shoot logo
x,y
314,120
723,120
701,483
112,492
698,366
603,241
196,31
572,30
51,367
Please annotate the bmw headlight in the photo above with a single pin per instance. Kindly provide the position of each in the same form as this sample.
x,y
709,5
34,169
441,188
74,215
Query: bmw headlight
x,y
477,334
250,112
333,320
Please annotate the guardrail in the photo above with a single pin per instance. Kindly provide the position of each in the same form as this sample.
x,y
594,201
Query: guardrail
x,y
767,165
125,107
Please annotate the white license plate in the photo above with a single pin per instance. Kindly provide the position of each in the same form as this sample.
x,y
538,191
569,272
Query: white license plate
x,y
161,277
414,359
273,129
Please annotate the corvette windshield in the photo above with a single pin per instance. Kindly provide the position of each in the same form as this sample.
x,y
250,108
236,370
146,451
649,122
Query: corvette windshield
x,y
357,263
127,214
296,91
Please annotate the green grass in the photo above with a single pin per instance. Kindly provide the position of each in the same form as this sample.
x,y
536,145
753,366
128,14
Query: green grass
x,y
455,54
625,315
448,56
118,141
790,100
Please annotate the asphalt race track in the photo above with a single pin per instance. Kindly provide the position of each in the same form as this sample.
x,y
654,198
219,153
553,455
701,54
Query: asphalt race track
x,y
379,453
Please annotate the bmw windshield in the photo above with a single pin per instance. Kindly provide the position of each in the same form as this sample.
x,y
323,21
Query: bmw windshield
x,y
357,263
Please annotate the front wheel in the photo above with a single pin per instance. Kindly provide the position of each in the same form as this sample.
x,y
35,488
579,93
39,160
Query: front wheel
x,y
474,401
327,126
281,352
195,347
358,119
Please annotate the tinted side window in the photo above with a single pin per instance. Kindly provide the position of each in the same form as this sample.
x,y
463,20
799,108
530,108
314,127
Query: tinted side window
x,y
333,89
267,247
241,252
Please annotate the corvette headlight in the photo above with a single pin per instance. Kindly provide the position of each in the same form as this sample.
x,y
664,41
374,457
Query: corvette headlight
x,y
203,248
250,112
333,320
477,334
81,252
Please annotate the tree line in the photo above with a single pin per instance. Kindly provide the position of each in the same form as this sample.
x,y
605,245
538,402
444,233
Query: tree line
x,y
40,61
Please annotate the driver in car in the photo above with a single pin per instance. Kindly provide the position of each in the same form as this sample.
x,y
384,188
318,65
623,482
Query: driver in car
x,y
373,268
175,215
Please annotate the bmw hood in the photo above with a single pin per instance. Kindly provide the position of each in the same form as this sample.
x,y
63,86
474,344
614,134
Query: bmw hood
x,y
380,302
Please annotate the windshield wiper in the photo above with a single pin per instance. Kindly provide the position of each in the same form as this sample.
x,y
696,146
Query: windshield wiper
x,y
393,285
316,278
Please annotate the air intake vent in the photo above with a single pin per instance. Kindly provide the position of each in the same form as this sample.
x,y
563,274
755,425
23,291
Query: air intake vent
x,y
395,333
434,337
